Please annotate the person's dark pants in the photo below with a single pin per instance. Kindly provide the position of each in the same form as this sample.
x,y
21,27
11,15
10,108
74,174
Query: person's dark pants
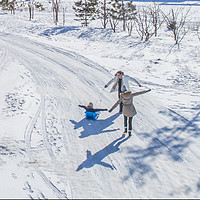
x,y
128,123
121,104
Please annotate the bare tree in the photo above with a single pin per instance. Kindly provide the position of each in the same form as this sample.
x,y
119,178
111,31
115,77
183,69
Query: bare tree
x,y
32,5
155,13
11,7
176,22
144,25
104,14
55,9
63,16
31,10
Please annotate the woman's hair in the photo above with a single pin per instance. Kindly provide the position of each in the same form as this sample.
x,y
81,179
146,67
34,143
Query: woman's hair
x,y
119,72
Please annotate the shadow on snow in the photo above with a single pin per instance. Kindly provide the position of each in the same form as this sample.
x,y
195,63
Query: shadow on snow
x,y
59,30
96,159
91,127
168,141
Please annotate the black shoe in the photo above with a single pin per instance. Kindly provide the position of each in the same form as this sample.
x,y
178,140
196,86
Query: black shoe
x,y
129,134
125,131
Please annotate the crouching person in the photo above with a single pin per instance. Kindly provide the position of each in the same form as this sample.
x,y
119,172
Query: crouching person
x,y
126,97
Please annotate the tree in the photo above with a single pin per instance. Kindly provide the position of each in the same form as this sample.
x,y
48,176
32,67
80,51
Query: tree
x,y
32,5
114,13
154,12
31,10
63,16
12,7
4,4
39,6
55,9
176,22
103,12
8,5
144,25
86,11
130,16
123,15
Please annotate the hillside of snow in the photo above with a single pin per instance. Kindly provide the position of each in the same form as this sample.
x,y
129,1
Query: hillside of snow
x,y
47,147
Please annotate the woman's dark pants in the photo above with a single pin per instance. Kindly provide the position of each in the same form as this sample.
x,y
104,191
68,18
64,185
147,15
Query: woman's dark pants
x,y
120,105
128,123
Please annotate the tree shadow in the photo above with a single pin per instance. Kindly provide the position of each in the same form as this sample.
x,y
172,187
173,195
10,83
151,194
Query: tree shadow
x,y
96,159
167,141
186,125
198,186
59,30
91,127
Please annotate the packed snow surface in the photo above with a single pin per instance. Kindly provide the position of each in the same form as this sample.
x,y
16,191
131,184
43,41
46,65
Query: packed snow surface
x,y
47,147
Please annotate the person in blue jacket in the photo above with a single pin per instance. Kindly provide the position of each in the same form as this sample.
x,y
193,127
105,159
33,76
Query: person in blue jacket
x,y
90,112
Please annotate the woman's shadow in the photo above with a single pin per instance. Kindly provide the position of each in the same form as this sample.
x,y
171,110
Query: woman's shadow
x,y
96,159
91,127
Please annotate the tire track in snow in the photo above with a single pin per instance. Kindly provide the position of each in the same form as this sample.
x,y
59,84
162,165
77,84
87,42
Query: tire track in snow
x,y
30,128
44,83
28,134
4,59
44,78
41,81
75,70
41,75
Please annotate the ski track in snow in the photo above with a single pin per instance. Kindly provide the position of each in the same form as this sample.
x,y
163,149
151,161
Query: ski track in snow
x,y
92,155
43,81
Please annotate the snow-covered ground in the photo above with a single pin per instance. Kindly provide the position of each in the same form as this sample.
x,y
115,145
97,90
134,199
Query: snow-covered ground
x,y
49,150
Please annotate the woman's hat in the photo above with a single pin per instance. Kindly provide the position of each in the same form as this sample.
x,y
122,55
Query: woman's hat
x,y
119,72
90,105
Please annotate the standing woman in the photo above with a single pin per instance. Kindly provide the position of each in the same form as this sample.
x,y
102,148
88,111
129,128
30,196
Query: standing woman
x,y
128,108
119,81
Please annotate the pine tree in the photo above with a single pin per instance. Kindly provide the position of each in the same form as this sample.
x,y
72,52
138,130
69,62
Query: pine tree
x,y
4,4
103,12
130,16
115,13
8,5
86,11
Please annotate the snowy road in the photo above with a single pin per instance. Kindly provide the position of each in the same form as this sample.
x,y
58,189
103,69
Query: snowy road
x,y
59,154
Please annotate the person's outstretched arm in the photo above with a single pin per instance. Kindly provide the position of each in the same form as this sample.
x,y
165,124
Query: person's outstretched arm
x,y
114,106
134,80
82,106
109,82
141,92
100,109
